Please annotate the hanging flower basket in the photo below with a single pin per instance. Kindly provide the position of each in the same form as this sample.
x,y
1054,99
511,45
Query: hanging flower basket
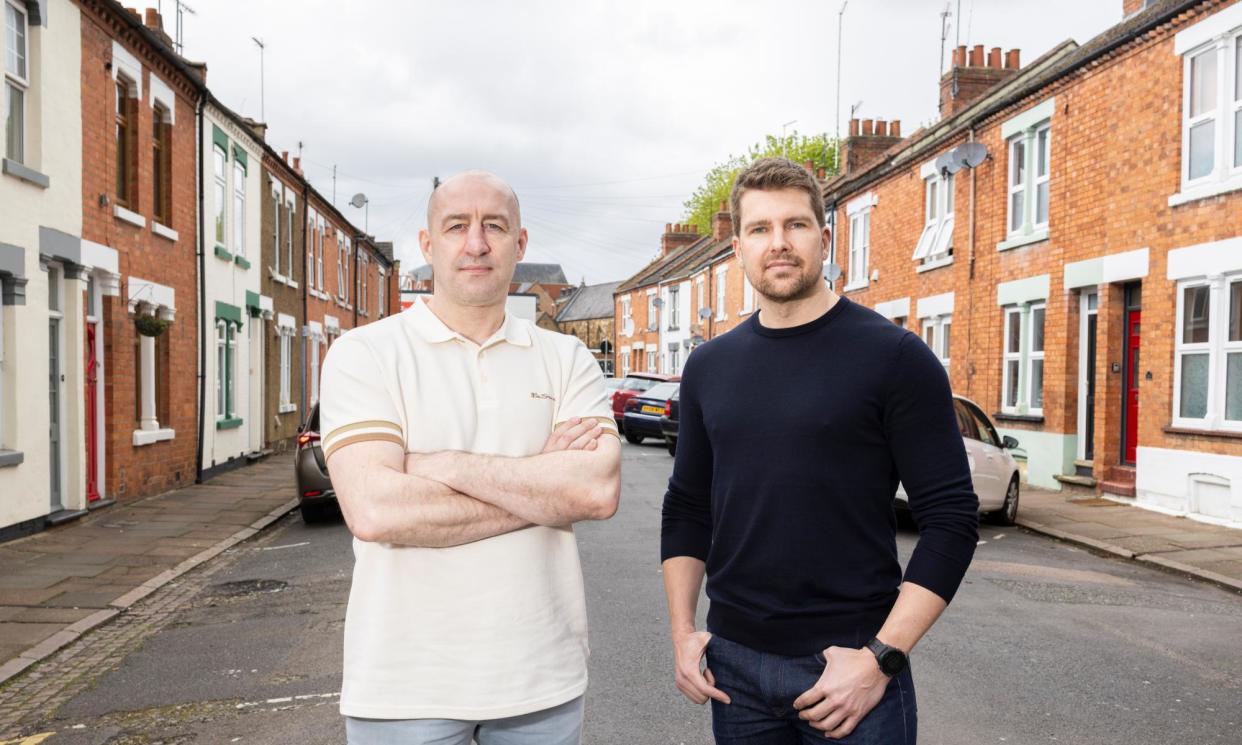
x,y
150,325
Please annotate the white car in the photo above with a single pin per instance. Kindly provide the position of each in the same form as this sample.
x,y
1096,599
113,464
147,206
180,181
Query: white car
x,y
992,469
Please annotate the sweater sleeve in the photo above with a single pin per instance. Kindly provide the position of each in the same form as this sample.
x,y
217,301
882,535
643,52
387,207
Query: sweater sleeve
x,y
930,458
686,527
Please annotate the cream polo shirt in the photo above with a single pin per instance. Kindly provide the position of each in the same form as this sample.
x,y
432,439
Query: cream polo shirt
x,y
490,629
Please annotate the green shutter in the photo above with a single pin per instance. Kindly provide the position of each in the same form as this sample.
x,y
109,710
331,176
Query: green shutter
x,y
252,304
230,313
239,155
220,138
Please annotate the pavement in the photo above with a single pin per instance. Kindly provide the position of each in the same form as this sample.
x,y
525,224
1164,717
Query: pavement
x,y
60,584
1208,552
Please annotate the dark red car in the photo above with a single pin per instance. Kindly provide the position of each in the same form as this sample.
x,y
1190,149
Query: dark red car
x,y
633,384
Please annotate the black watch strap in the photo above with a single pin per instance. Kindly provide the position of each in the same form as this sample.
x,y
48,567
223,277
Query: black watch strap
x,y
892,660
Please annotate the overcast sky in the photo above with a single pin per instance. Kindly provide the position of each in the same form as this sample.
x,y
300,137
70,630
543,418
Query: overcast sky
x,y
604,116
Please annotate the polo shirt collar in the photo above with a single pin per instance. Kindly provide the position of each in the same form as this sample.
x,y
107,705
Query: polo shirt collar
x,y
430,327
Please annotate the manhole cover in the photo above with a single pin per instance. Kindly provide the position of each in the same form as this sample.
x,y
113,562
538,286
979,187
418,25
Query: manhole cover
x,y
248,587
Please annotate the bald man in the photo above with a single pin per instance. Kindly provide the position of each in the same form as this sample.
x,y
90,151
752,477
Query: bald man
x,y
463,445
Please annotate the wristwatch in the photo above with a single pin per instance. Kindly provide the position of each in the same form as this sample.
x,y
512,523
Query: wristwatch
x,y
892,660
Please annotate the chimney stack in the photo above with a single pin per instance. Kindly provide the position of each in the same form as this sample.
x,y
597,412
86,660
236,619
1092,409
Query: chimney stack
x,y
973,74
297,165
722,223
675,237
868,140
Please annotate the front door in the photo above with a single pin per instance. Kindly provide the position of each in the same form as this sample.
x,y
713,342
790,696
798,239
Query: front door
x,y
92,418
1130,372
1086,382
53,376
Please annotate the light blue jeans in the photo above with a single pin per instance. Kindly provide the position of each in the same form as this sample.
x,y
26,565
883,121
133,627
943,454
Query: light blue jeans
x,y
560,725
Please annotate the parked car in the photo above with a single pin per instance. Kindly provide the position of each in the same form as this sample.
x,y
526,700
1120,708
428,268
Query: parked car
x,y
644,411
631,385
992,469
668,422
316,497
612,384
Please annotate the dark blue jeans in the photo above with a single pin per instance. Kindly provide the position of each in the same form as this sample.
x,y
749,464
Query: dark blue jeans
x,y
763,687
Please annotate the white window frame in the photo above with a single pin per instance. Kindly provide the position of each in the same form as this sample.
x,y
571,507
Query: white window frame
x,y
1220,37
653,362
220,169
277,244
239,208
674,359
701,286
379,291
722,293
627,317
18,80
625,363
286,354
935,245
671,302
1217,348
748,294
860,245
320,234
1025,357
290,214
1028,230
221,369
938,325
653,313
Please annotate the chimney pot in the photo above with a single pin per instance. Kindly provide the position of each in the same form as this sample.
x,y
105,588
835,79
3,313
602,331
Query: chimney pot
x,y
853,128
894,128
868,128
881,128
1013,59
994,58
284,154
821,173
724,205
976,56
959,56
668,227
809,165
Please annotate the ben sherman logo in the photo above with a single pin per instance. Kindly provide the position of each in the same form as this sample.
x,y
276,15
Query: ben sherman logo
x,y
547,396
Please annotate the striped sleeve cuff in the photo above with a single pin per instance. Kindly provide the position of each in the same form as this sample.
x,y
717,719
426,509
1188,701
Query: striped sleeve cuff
x,y
372,430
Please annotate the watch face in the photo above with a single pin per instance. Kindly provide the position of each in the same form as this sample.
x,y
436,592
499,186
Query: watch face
x,y
893,662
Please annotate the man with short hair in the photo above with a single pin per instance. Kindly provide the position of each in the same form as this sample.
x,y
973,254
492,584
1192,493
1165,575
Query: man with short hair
x,y
795,429
463,444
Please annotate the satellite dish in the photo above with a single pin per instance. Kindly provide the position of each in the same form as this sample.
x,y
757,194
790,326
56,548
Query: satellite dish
x,y
705,313
946,163
658,302
358,200
972,153
832,272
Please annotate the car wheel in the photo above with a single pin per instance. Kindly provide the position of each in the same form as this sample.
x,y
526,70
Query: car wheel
x,y
633,439
1008,513
314,512
672,445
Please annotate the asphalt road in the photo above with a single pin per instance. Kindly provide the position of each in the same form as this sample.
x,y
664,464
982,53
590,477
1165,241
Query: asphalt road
x,y
1044,643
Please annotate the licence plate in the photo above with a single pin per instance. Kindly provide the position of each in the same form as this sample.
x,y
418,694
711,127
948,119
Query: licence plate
x,y
653,410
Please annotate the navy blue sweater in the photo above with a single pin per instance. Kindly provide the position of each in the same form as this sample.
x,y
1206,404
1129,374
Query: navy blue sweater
x,y
790,447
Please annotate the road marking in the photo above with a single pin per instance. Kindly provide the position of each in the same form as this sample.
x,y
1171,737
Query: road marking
x,y
290,545
31,740
980,543
998,537
282,700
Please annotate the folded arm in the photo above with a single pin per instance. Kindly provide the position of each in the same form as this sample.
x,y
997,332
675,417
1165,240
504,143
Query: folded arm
x,y
551,488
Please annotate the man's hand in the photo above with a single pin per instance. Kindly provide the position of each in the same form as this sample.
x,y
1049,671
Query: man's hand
x,y
697,683
575,434
849,689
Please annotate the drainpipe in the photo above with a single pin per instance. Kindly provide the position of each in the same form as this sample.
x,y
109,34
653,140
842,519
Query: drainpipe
x,y
970,295
832,236
202,290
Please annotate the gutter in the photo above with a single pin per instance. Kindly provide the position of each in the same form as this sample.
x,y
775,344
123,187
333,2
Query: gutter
x,y
202,290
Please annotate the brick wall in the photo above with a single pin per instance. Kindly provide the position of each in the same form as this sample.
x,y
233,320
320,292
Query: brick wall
x,y
139,471
280,429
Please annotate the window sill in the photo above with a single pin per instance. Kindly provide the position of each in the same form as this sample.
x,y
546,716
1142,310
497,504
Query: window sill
x,y
164,232
860,285
151,436
286,408
241,261
1195,193
1018,241
10,458
1002,416
222,253
277,276
1225,433
29,175
229,423
124,215
745,312
934,265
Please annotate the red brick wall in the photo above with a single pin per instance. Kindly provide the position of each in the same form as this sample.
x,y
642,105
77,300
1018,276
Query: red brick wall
x,y
281,429
140,471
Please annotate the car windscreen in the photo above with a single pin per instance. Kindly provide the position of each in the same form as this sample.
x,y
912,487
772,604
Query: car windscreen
x,y
638,384
662,392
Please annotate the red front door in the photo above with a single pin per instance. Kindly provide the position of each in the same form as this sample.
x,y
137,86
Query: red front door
x,y
92,441
1130,446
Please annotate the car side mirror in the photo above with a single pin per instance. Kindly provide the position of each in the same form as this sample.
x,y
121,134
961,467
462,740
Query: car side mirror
x,y
1009,443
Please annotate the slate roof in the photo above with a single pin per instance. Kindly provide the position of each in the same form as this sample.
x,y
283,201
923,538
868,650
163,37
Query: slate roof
x,y
590,301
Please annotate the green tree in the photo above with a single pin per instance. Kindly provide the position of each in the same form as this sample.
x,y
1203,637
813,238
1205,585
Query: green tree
x,y
705,202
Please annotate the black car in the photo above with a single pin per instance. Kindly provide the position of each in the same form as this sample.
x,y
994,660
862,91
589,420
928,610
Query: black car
x,y
316,497
643,412
668,422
